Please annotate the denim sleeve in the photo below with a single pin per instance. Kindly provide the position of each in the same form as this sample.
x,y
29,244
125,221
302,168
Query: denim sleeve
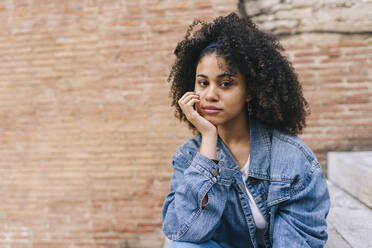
x,y
184,218
300,221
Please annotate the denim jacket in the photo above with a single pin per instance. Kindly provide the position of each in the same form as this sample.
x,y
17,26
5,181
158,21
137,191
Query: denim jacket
x,y
285,180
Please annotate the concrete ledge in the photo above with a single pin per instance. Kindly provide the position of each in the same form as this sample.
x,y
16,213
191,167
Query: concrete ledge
x,y
349,221
352,171
167,242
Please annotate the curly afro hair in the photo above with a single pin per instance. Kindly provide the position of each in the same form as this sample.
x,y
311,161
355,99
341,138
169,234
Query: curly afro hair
x,y
277,98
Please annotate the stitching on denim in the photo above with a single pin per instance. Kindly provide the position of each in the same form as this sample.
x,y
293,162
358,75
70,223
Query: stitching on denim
x,y
266,138
196,163
224,182
201,170
259,176
203,193
286,196
296,144
194,216
187,225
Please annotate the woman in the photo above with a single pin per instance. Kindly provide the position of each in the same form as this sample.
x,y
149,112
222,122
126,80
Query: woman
x,y
245,179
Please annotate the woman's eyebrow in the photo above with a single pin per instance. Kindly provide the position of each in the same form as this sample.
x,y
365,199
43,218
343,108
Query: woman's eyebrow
x,y
219,76
225,75
202,75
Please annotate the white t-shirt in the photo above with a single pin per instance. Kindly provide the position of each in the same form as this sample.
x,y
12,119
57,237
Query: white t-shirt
x,y
258,218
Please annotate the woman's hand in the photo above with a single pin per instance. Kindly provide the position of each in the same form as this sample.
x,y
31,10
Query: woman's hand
x,y
206,128
186,103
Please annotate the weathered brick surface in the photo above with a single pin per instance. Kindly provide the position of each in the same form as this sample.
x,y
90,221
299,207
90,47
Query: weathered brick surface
x,y
304,16
86,128
337,82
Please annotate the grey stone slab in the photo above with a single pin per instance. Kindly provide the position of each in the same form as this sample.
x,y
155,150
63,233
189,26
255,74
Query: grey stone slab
x,y
349,221
167,242
352,171
336,15
335,239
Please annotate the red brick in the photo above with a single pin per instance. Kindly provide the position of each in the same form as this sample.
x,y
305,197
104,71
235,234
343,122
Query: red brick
x,y
342,45
298,47
303,61
316,54
343,60
359,80
359,52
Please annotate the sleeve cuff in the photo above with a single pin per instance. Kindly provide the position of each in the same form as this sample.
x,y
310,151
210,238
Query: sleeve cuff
x,y
212,169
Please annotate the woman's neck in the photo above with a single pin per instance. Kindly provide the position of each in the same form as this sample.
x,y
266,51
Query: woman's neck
x,y
236,131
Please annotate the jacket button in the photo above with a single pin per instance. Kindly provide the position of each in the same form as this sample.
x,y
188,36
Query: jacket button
x,y
215,173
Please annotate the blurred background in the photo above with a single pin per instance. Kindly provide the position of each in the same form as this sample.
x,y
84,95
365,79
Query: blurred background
x,y
86,128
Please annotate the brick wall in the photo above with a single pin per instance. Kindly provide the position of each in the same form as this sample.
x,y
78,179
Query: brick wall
x,y
86,131
337,82
86,128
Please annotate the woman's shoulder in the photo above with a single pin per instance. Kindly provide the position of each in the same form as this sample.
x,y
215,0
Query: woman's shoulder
x,y
293,141
291,156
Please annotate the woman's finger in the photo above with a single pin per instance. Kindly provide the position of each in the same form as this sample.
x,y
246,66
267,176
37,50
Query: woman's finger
x,y
192,102
185,95
190,112
188,98
188,108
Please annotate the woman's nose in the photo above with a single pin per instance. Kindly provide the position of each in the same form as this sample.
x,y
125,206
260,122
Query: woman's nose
x,y
211,94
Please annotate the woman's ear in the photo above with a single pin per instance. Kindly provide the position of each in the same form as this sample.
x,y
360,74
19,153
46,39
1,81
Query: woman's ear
x,y
248,98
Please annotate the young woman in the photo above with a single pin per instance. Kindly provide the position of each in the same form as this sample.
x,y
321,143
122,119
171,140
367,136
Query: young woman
x,y
245,179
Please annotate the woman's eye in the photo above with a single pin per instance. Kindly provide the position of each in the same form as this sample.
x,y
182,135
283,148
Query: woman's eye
x,y
226,84
203,83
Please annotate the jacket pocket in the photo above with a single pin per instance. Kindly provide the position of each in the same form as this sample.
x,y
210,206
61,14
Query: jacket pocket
x,y
279,191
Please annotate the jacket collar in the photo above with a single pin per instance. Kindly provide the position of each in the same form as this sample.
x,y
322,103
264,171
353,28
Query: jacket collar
x,y
260,147
260,150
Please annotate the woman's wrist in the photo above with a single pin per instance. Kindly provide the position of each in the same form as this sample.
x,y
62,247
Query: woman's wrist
x,y
208,145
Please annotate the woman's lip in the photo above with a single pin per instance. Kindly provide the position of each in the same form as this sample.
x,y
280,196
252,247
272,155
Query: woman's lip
x,y
211,111
210,107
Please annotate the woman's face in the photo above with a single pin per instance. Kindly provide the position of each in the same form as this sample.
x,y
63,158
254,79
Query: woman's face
x,y
223,93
